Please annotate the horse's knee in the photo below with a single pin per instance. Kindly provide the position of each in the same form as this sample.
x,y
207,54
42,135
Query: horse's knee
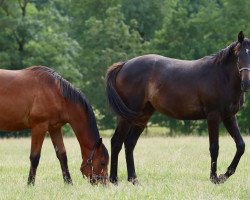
x,y
214,150
34,160
241,148
116,145
62,157
129,146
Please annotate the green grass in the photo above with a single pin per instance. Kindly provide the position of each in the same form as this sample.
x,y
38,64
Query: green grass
x,y
167,168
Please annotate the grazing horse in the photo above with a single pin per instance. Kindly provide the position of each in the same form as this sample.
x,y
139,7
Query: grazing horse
x,y
39,99
210,88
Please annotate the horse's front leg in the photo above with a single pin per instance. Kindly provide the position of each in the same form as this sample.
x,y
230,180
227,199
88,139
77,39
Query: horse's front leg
x,y
233,129
37,138
57,140
213,121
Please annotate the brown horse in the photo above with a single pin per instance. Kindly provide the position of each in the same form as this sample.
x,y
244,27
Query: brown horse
x,y
39,99
210,88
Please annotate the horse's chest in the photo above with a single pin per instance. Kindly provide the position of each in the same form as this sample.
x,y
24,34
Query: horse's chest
x,y
231,109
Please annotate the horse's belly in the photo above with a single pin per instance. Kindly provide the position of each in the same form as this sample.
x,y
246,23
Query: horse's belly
x,y
183,114
13,115
180,108
12,126
13,118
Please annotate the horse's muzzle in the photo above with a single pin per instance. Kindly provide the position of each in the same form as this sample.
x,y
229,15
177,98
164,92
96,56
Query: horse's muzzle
x,y
245,85
99,180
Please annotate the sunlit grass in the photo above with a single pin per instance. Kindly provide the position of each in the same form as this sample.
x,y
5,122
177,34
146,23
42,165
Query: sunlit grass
x,y
167,168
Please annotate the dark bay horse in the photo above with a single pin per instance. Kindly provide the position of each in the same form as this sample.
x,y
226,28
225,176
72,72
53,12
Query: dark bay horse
x,y
39,99
210,88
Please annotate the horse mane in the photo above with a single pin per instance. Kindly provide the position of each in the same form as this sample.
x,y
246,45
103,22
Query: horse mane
x,y
222,56
69,92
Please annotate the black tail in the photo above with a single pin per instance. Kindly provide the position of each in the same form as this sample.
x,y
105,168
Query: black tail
x,y
114,100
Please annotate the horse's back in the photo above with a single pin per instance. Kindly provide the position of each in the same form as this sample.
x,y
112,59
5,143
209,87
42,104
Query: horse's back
x,y
153,67
149,72
15,86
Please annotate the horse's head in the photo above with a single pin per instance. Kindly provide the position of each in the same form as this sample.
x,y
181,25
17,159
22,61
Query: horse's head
x,y
95,167
243,53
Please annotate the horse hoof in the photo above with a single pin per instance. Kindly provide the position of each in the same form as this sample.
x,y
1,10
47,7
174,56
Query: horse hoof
x,y
222,178
214,179
114,181
134,181
30,184
68,181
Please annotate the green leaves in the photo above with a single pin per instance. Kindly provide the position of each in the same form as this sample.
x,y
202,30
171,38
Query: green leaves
x,y
81,38
37,38
105,41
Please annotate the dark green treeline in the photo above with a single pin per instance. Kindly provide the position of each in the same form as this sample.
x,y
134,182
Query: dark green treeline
x,y
81,38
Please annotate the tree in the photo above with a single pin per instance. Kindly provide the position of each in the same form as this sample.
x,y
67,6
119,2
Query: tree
x,y
104,42
81,38
149,15
36,37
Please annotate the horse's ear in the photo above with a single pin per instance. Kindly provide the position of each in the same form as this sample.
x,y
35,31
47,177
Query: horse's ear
x,y
99,142
241,37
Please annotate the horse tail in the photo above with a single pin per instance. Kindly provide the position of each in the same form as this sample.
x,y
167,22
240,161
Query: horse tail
x,y
114,100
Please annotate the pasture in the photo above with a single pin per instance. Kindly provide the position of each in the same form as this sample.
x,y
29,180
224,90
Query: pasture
x,y
167,168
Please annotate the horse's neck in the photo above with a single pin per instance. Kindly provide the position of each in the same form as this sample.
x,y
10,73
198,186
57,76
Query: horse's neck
x,y
233,72
78,120
231,76
227,66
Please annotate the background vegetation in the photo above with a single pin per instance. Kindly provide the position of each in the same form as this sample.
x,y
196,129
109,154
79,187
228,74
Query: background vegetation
x,y
81,38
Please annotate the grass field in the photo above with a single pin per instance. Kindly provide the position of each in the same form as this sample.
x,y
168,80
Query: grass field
x,y
167,168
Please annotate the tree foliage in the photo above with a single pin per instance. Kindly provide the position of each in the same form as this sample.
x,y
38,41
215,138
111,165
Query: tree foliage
x,y
81,38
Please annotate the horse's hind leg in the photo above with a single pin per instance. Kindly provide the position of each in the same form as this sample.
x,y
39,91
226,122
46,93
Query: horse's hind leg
x,y
117,140
57,140
130,143
37,138
132,138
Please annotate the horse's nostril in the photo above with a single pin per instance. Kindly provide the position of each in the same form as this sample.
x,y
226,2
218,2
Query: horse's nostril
x,y
245,85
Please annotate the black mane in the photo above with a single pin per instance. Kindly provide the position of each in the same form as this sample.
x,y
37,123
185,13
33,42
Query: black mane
x,y
70,93
222,56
